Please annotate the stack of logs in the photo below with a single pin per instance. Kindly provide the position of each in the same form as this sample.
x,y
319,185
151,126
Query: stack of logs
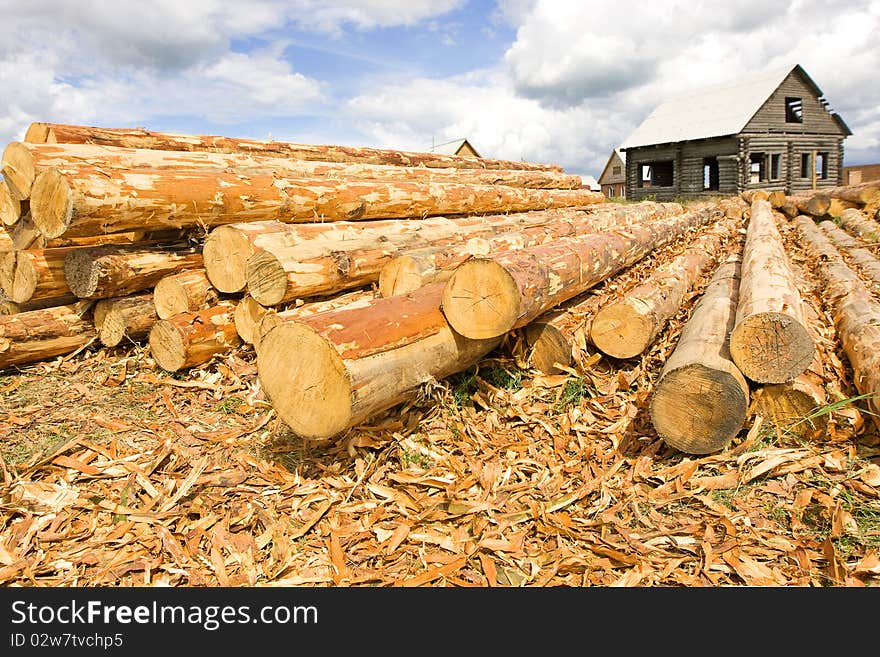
x,y
360,274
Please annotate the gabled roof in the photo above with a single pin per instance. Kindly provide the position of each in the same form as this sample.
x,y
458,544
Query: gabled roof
x,y
452,147
621,154
716,111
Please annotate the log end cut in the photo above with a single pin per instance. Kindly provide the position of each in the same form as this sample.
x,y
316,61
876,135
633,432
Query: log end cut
x,y
547,347
10,206
166,345
51,203
306,381
620,331
790,405
24,278
225,254
698,409
771,347
400,275
266,279
81,274
18,169
481,300
247,315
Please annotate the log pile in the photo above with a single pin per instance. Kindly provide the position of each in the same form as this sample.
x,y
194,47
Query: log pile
x,y
357,276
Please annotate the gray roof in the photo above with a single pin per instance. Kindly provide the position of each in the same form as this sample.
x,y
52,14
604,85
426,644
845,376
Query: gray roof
x,y
714,111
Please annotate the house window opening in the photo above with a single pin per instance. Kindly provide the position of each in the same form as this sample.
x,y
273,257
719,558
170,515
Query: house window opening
x,y
757,168
710,174
822,165
794,110
805,165
656,174
775,166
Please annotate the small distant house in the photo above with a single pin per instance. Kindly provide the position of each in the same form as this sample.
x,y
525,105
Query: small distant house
x,y
456,147
613,177
860,173
773,131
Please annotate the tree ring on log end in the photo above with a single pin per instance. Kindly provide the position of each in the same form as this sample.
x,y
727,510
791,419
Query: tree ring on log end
x,y
266,279
10,207
620,331
771,347
166,345
18,169
481,300
51,203
306,380
169,298
697,409
547,347
225,253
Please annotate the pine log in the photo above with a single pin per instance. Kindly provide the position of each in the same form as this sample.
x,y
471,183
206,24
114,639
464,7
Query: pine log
x,y
769,343
862,194
34,274
10,206
752,195
6,243
814,203
415,268
116,270
789,208
9,307
92,201
328,372
627,327
777,199
125,318
556,338
487,297
860,225
854,250
182,292
278,275
700,400
734,207
189,339
272,318
50,133
25,234
37,335
247,316
227,248
856,313
837,207
22,162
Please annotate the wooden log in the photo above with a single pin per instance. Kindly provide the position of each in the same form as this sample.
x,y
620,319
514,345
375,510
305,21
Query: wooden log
x,y
22,161
37,335
734,207
777,199
811,202
751,195
190,339
837,207
769,343
48,133
415,268
272,318
789,208
182,292
862,194
854,250
247,316
8,307
94,201
487,297
127,318
556,339
700,399
860,225
333,370
25,235
856,313
10,206
627,327
116,270
278,275
6,243
34,274
227,248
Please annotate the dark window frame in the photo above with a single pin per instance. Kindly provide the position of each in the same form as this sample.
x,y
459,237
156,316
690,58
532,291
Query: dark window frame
x,y
794,109
657,173
775,166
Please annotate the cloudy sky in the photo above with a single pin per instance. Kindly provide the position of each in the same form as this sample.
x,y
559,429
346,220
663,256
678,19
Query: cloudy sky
x,y
560,81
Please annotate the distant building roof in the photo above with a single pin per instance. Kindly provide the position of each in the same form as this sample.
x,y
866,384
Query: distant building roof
x,y
454,147
715,111
589,181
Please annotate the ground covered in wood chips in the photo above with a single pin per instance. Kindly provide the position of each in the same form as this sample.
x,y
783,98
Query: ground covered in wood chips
x,y
116,473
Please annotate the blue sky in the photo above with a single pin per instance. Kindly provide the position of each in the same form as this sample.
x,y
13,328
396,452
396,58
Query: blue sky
x,y
540,80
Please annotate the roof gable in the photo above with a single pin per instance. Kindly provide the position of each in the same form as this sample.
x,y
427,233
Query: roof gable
x,y
715,111
616,155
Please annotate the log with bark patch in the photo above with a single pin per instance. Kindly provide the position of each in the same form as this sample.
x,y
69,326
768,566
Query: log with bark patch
x,y
700,399
856,313
22,161
36,335
116,270
182,292
487,297
854,250
328,372
626,328
50,133
227,248
860,225
416,268
91,201
190,339
769,343
34,274
128,318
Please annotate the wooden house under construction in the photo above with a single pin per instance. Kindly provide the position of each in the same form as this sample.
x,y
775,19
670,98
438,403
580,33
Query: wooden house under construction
x,y
773,131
